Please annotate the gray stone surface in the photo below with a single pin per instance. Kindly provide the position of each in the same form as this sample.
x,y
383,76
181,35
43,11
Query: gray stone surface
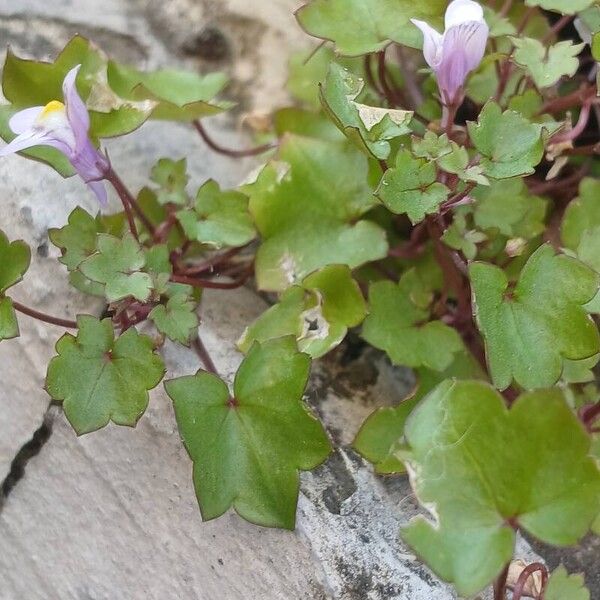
x,y
112,515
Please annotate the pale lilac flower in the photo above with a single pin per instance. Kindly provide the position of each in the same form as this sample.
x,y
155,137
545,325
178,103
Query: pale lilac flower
x,y
455,53
66,128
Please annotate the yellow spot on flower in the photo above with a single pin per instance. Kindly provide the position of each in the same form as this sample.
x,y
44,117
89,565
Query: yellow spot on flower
x,y
52,107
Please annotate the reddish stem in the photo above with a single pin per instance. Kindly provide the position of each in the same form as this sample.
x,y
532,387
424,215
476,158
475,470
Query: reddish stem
x,y
200,348
211,263
129,204
584,117
557,27
228,151
500,585
209,283
40,316
528,571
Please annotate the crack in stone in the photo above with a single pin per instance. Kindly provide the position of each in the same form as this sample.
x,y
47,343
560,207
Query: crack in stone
x,y
28,451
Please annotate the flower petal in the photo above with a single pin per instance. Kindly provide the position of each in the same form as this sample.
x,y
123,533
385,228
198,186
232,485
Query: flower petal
x,y
463,49
33,138
432,43
99,189
24,120
76,110
462,11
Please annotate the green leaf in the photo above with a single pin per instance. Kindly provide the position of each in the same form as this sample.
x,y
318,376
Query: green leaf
x,y
547,65
588,26
318,313
248,449
566,7
312,201
77,239
9,326
174,95
411,187
363,26
582,214
99,379
306,71
381,436
457,161
15,258
306,123
507,206
220,218
177,319
510,144
431,146
562,586
14,262
398,326
172,179
460,237
117,264
579,371
369,127
530,329
480,468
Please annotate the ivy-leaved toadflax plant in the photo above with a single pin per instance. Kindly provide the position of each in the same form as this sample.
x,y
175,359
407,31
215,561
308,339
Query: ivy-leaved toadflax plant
x,y
433,189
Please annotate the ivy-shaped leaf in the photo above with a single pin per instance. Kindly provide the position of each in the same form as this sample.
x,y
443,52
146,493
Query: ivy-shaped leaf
x,y
177,319
566,7
380,438
369,127
411,187
562,586
402,329
529,329
172,179
317,313
547,65
14,262
312,200
248,447
507,206
431,146
510,144
483,470
117,264
77,239
460,237
219,218
99,378
457,161
364,26
174,95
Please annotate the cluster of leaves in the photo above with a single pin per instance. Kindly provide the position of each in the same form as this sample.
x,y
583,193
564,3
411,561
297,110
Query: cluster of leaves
x,y
466,251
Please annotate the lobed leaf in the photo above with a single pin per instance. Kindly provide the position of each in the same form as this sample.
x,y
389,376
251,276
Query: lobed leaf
x,y
531,329
248,449
482,470
99,378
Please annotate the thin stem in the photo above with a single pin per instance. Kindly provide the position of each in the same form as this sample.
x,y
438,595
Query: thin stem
x,y
414,90
129,204
448,116
40,316
557,27
528,571
209,283
210,263
390,94
500,585
506,8
228,151
200,348
584,117
370,76
589,414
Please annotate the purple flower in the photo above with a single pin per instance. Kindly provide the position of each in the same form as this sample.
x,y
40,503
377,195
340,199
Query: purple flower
x,y
453,55
66,128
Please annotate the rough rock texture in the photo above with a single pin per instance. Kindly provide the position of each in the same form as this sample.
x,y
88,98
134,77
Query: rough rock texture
x,y
112,515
